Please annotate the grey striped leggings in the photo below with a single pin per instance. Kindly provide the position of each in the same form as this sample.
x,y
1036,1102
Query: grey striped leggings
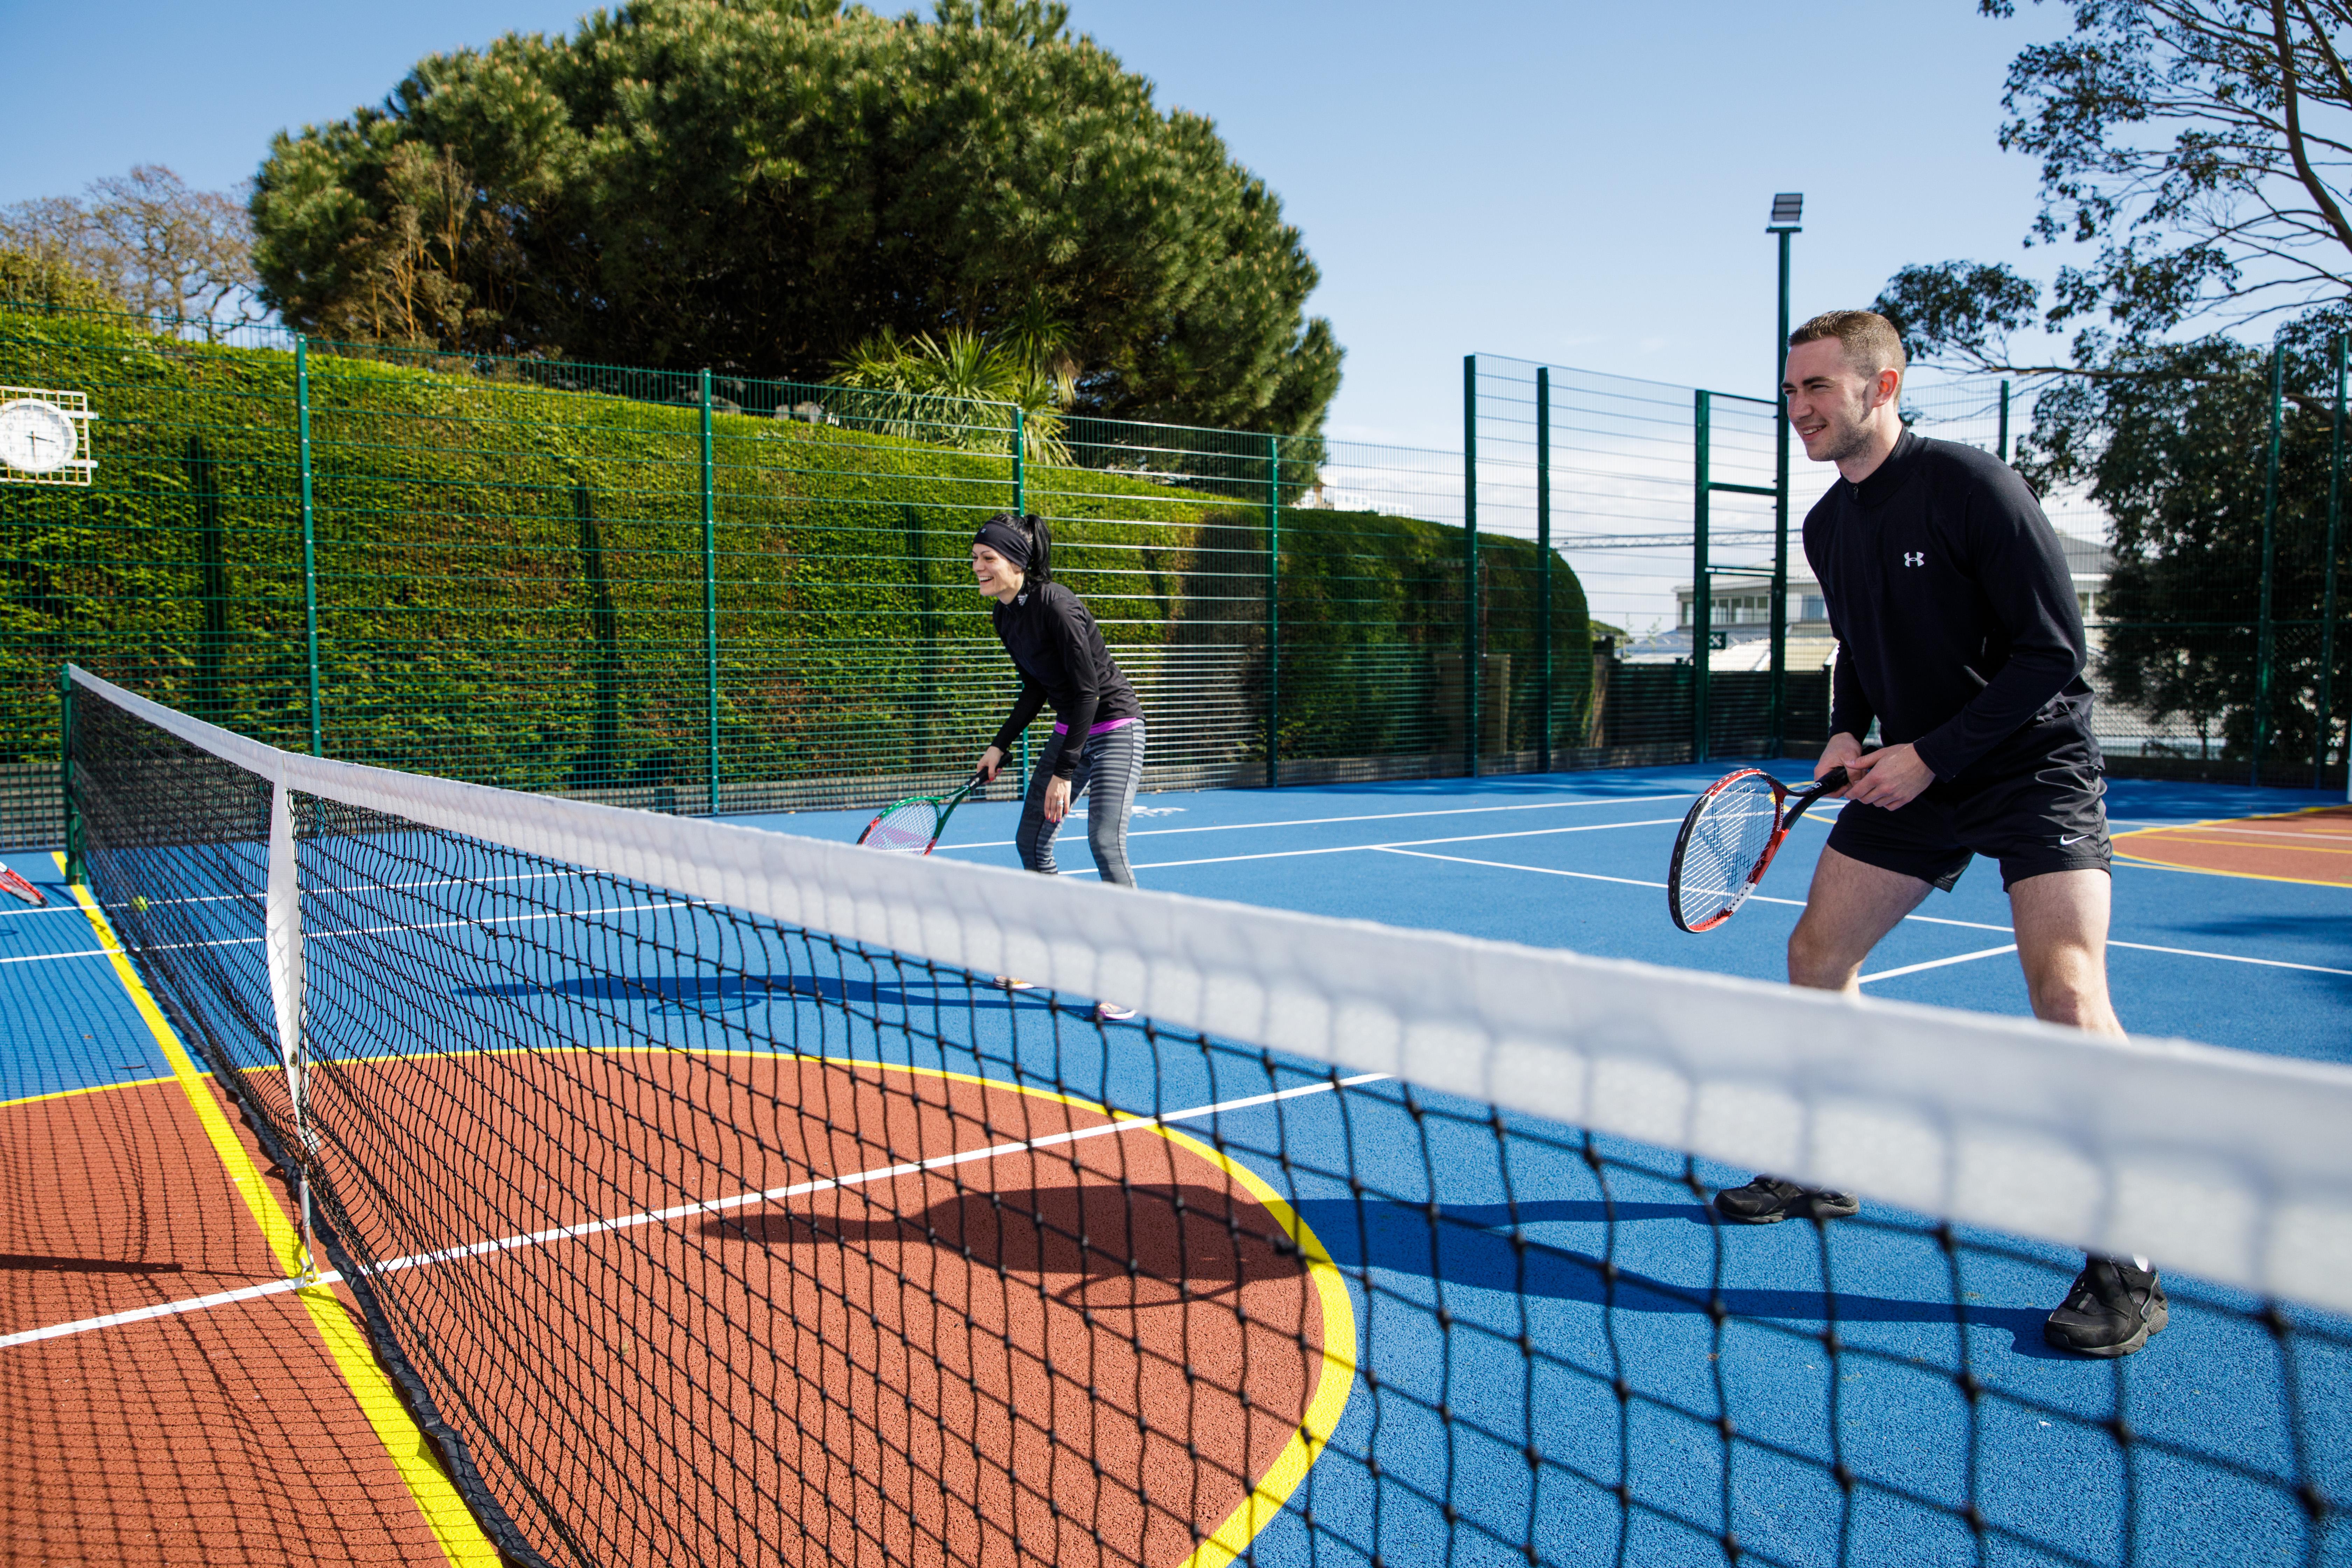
x,y
1108,771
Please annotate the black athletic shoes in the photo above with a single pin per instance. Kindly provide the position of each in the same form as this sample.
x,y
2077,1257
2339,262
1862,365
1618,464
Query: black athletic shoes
x,y
2110,1310
1768,1200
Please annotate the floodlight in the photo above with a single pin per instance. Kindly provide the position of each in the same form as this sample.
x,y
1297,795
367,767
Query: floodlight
x,y
1788,209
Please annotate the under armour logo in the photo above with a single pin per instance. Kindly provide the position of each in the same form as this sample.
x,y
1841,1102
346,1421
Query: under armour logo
x,y
1915,558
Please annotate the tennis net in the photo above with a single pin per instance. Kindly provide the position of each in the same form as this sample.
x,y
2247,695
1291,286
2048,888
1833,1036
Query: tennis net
x,y
712,1201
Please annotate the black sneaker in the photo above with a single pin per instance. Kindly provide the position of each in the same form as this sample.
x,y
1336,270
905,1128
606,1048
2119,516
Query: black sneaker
x,y
1768,1200
2109,1311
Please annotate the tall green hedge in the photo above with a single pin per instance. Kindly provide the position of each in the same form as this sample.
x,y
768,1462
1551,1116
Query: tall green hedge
x,y
510,575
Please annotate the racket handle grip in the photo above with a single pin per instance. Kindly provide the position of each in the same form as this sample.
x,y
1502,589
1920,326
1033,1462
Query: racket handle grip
x,y
1834,779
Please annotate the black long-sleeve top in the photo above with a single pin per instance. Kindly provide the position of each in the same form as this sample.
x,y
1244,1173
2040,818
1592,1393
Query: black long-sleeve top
x,y
1955,615
1059,651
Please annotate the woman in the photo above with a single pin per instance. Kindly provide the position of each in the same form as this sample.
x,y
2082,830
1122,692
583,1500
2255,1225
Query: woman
x,y
1097,745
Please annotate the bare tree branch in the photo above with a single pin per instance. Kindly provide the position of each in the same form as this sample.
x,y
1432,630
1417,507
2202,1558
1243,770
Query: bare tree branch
x,y
2320,195
167,251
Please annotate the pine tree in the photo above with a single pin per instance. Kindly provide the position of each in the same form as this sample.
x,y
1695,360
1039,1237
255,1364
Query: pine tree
x,y
760,185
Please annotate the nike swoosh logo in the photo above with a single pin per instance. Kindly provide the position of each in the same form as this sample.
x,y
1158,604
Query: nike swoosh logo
x,y
2076,839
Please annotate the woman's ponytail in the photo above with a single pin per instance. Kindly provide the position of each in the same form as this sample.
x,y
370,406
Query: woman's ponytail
x,y
1041,550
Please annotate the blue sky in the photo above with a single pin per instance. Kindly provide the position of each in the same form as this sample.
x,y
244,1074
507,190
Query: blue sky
x,y
1580,183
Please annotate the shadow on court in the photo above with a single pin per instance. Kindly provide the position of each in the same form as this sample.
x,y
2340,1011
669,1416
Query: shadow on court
x,y
1180,1236
1471,1244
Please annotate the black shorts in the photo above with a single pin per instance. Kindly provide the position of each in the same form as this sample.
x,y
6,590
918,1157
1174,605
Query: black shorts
x,y
2048,818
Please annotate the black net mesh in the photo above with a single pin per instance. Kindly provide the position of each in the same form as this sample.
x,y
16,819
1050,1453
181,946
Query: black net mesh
x,y
698,1236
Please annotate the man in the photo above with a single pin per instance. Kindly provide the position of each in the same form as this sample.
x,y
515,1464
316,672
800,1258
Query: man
x,y
1958,633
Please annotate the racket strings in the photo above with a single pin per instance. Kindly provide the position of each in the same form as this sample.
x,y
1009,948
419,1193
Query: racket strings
x,y
910,825
1719,856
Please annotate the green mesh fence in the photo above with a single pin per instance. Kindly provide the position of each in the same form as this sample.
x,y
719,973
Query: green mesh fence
x,y
2217,631
664,590
2199,519
1643,489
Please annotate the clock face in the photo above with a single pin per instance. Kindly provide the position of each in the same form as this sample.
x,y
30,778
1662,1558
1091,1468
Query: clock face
x,y
36,437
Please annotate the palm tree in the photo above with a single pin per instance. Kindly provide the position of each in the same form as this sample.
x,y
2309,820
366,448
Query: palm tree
x,y
960,388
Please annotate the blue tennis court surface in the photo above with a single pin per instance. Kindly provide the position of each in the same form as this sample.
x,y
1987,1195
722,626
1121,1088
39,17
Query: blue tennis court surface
x,y
1539,1364
1579,861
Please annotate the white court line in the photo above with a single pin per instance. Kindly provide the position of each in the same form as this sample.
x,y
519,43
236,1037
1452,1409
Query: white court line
x,y
37,957
1924,920
324,888
1940,963
1373,817
474,921
378,930
1123,1122
1400,844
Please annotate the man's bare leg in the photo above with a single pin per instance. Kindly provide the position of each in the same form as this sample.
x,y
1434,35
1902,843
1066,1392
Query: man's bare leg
x,y
2061,918
1851,906
2062,942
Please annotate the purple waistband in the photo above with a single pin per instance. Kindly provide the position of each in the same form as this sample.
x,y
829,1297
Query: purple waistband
x,y
1103,728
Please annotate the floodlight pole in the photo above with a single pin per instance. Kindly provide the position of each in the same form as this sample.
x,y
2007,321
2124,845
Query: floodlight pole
x,y
1792,209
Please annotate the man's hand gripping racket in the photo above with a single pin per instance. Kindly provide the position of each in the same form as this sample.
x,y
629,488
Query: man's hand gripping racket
x,y
911,827
1730,836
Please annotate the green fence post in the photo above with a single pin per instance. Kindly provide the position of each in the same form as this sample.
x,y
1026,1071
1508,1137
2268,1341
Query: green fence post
x,y
1543,569
75,875
2327,590
1470,557
709,605
2002,451
1701,590
310,541
2270,555
1020,509
1273,611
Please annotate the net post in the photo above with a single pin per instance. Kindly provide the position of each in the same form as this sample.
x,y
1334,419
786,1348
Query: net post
x,y
2002,451
1470,559
1273,611
310,539
2270,557
1543,568
1701,590
74,874
282,949
2327,587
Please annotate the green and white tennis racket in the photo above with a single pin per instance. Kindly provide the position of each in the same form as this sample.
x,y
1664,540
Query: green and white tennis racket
x,y
911,827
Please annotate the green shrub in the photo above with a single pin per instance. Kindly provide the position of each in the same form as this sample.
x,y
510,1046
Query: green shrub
x,y
510,574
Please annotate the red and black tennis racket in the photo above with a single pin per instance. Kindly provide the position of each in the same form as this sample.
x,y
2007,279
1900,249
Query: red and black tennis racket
x,y
911,827
13,883
1730,836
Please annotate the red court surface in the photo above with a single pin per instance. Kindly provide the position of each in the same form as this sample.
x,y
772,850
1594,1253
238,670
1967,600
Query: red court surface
x,y
2313,846
1091,1351
1082,1352
221,1437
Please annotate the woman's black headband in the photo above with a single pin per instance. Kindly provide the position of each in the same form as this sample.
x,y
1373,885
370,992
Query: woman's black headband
x,y
1005,535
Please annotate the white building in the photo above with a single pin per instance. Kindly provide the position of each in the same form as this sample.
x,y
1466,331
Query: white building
x,y
1741,606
